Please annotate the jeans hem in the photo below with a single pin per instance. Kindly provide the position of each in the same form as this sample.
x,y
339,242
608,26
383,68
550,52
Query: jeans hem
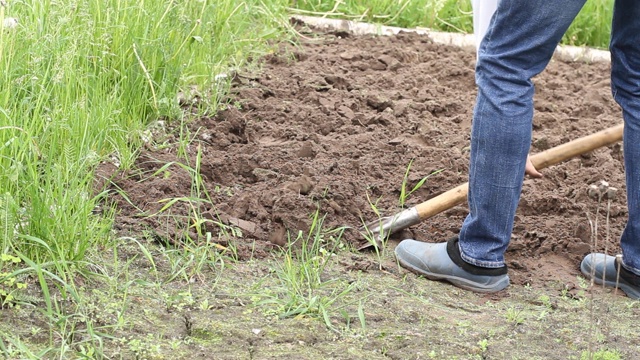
x,y
481,263
629,268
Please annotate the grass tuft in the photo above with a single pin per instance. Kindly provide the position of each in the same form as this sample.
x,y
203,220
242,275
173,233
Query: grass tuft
x,y
305,290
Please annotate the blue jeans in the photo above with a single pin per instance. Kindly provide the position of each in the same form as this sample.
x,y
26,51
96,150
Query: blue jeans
x,y
518,45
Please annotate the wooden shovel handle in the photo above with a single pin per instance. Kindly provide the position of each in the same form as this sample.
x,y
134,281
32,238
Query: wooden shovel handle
x,y
541,160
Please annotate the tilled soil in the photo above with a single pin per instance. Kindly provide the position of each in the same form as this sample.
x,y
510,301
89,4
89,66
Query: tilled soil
x,y
333,123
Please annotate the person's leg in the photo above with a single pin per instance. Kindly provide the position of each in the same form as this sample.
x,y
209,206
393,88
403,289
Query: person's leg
x,y
482,12
520,41
625,86
518,45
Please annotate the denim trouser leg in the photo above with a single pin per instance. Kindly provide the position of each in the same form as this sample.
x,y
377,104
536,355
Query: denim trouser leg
x,y
625,84
518,45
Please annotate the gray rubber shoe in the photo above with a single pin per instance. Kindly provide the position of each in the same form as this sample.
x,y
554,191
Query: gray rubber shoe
x,y
433,261
605,271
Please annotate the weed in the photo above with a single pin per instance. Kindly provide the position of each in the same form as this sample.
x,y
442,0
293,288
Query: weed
x,y
463,327
9,283
404,192
374,232
179,301
208,229
447,14
484,345
303,289
515,316
11,347
598,192
546,301
601,355
361,317
142,348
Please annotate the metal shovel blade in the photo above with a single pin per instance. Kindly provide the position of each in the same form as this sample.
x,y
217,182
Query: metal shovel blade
x,y
378,231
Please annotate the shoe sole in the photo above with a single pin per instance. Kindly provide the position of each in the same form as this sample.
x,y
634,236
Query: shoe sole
x,y
628,290
457,281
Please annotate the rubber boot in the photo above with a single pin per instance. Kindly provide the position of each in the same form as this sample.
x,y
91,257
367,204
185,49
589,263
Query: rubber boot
x,y
442,261
605,271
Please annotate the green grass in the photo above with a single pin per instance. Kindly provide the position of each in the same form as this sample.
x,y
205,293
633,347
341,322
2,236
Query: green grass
x,y
79,82
592,27
447,15
304,290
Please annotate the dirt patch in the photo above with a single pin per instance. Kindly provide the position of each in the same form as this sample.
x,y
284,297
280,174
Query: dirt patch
x,y
333,123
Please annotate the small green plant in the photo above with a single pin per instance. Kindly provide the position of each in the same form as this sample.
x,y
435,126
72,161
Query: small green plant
x,y
9,283
463,327
515,316
374,233
484,345
377,232
361,317
548,306
179,301
601,355
404,192
142,348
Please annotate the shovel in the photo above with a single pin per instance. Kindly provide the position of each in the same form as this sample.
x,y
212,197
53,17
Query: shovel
x,y
380,229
